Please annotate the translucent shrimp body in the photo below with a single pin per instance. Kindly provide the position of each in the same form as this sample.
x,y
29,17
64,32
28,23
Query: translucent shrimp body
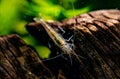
x,y
58,39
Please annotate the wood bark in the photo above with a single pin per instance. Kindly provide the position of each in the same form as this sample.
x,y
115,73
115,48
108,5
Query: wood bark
x,y
20,61
96,37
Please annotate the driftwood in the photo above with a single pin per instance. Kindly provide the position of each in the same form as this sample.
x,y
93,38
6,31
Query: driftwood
x,y
17,58
96,38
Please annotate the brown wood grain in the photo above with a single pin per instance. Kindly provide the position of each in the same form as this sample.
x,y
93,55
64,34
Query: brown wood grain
x,y
96,39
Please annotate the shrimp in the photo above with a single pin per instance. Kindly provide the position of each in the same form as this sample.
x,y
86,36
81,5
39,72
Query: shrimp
x,y
58,39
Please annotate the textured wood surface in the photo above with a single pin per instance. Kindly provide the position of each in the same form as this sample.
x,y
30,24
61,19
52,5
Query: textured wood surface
x,y
17,58
96,40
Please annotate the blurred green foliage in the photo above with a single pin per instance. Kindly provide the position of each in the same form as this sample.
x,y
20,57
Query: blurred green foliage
x,y
15,14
